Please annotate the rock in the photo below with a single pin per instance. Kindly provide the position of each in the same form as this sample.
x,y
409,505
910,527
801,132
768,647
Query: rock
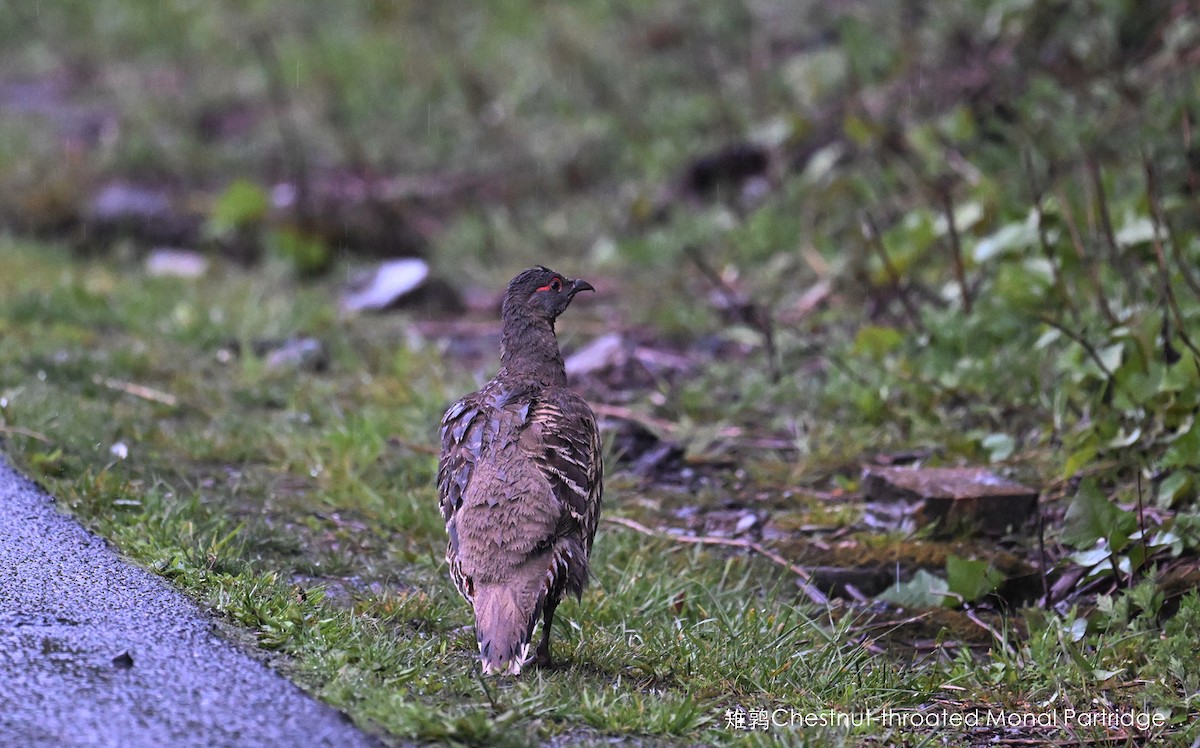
x,y
728,523
838,581
391,282
643,451
606,350
954,499
147,215
123,661
308,354
614,365
733,165
119,201
177,263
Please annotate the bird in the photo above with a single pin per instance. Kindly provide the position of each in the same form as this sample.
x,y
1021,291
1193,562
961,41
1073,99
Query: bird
x,y
520,480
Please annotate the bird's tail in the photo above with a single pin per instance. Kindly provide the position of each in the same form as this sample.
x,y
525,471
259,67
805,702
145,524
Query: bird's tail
x,y
504,626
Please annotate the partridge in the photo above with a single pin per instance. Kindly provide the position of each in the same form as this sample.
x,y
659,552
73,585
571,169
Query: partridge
x,y
520,479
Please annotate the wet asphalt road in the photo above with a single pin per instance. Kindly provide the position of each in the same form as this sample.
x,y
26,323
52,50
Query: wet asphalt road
x,y
97,652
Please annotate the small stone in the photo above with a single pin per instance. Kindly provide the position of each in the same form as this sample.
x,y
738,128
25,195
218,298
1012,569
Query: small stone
x,y
954,499
604,351
728,523
298,353
391,281
120,201
123,661
745,523
176,263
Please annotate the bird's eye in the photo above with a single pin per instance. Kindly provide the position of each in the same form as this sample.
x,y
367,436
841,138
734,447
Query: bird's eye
x,y
556,285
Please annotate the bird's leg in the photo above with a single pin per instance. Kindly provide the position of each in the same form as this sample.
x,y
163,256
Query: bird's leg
x,y
543,650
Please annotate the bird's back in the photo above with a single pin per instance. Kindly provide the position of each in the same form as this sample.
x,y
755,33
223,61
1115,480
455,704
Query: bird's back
x,y
519,483
519,479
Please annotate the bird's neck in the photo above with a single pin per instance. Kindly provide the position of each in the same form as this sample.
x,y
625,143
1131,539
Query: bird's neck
x,y
529,350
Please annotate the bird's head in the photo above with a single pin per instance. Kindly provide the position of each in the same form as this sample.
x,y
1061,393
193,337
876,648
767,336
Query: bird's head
x,y
542,292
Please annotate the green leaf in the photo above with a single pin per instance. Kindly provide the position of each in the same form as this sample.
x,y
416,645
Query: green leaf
x,y
972,579
1123,439
1172,487
1112,356
999,446
924,590
877,341
1010,237
1092,557
307,253
1091,516
48,463
242,203
1076,631
1137,230
1079,458
966,216
1184,451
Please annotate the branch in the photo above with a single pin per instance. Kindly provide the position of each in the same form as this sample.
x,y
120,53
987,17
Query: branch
x,y
747,311
805,582
138,390
1064,204
1036,194
36,435
1116,256
870,229
1168,291
1080,340
1160,219
956,250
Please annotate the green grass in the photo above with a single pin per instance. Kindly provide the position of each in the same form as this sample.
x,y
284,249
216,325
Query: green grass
x,y
261,493
300,504
289,503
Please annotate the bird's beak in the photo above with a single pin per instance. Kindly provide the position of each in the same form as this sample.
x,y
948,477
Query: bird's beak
x,y
580,285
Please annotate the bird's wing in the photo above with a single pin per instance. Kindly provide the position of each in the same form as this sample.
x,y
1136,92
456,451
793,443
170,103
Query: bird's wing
x,y
467,429
564,442
463,431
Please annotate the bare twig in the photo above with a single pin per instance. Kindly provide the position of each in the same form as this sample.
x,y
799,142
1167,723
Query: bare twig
x,y
805,582
730,436
1112,561
870,230
1186,126
35,435
1141,520
991,630
1160,219
1164,272
956,250
1082,341
138,390
649,422
487,690
1042,559
1035,194
849,372
748,312
1068,214
1116,257
891,625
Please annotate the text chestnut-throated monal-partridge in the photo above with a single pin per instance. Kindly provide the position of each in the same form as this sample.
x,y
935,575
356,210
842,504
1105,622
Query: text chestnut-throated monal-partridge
x,y
519,480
